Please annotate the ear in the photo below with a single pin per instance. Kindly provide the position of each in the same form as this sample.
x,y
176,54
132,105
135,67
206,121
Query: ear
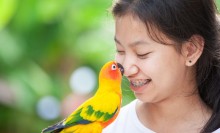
x,y
192,49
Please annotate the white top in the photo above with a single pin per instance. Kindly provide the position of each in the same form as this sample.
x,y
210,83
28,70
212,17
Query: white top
x,y
128,122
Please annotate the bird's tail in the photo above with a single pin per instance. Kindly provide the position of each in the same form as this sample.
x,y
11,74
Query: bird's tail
x,y
81,128
54,128
94,127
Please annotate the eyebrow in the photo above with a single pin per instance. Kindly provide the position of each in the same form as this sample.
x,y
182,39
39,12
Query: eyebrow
x,y
133,43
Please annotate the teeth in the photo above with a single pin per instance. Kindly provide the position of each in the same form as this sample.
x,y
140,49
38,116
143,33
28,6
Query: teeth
x,y
139,82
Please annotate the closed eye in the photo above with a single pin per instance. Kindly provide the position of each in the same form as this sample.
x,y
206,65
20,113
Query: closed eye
x,y
143,56
120,52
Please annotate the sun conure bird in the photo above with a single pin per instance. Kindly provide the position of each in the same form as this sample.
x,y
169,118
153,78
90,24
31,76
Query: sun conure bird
x,y
100,110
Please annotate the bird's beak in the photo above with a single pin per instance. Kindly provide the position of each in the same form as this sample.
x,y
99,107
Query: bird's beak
x,y
121,68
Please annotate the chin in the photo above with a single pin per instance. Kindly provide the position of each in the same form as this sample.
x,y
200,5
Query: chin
x,y
145,98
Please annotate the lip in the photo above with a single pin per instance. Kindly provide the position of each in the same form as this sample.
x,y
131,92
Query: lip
x,y
139,89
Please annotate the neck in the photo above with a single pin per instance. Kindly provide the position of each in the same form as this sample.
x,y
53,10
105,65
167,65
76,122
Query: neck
x,y
179,112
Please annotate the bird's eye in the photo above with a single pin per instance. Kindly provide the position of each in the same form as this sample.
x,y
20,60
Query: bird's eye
x,y
114,67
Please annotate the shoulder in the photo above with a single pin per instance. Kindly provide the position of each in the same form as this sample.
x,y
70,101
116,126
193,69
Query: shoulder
x,y
127,121
217,131
128,109
130,106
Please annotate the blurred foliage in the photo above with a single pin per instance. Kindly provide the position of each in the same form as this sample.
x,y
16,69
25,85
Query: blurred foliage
x,y
218,5
41,43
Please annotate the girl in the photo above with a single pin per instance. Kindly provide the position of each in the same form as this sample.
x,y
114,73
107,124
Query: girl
x,y
170,53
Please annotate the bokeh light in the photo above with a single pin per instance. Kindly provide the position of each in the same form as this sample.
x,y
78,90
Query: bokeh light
x,y
48,108
83,80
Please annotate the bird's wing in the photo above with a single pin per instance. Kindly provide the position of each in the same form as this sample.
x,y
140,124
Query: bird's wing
x,y
99,108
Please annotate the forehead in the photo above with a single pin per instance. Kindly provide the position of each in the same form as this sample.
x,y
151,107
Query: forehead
x,y
129,23
130,28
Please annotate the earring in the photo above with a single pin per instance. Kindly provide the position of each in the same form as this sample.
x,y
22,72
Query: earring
x,y
190,61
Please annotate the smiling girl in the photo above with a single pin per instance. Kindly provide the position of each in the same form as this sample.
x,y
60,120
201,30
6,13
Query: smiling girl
x,y
170,53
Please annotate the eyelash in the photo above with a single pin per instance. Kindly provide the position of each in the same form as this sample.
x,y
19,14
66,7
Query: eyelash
x,y
143,56
120,52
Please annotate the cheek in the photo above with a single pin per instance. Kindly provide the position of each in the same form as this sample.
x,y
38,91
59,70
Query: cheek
x,y
114,75
167,70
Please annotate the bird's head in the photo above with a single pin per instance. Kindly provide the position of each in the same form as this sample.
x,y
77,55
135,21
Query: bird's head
x,y
111,71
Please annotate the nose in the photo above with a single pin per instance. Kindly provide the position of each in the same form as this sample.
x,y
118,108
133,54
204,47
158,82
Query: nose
x,y
130,68
129,63
121,68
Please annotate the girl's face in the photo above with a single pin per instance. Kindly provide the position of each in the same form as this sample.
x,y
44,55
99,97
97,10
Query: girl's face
x,y
156,71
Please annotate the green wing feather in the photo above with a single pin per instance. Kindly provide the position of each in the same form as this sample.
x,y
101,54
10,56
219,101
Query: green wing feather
x,y
88,116
100,108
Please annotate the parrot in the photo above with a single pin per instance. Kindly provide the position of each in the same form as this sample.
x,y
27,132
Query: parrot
x,y
100,110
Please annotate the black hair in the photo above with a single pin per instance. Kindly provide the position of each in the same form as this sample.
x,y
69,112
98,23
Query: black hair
x,y
179,20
